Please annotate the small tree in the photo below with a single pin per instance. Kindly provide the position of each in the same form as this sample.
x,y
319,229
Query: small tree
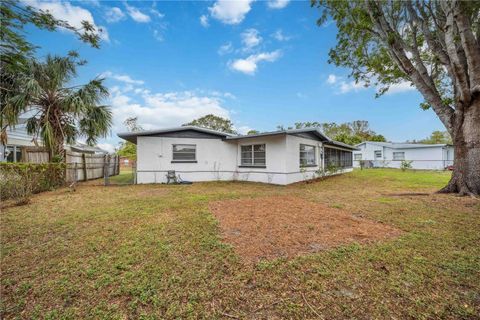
x,y
438,137
213,122
60,113
405,164
128,149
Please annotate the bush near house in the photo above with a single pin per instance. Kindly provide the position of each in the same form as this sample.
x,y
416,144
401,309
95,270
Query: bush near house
x,y
18,181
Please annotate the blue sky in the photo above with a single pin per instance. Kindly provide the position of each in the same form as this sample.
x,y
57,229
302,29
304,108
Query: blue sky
x,y
261,64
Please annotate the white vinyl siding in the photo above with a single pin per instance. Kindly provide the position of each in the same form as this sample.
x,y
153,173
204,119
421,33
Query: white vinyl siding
x,y
307,155
399,156
184,152
253,155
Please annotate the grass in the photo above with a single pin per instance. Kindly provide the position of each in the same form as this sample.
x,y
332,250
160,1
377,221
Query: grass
x,y
125,177
154,251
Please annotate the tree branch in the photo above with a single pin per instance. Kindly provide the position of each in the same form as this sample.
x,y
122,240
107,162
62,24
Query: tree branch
x,y
470,47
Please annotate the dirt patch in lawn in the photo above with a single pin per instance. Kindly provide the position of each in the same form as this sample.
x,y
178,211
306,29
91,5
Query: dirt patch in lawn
x,y
272,227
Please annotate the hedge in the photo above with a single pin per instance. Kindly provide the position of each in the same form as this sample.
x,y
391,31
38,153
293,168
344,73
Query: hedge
x,y
20,180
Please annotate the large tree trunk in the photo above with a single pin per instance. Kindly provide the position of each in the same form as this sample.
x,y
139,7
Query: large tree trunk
x,y
466,138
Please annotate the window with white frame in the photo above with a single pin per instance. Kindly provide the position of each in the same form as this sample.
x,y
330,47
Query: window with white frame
x,y
13,154
358,156
399,156
253,155
184,153
378,154
307,155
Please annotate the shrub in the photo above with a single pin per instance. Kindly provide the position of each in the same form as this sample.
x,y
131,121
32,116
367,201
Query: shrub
x,y
405,165
18,181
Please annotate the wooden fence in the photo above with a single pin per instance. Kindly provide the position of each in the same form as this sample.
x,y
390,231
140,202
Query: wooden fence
x,y
35,155
80,166
83,167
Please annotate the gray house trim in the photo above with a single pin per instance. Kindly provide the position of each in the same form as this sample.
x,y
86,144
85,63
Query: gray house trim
x,y
203,133
178,132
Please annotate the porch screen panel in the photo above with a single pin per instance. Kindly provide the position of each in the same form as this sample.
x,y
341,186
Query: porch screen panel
x,y
338,158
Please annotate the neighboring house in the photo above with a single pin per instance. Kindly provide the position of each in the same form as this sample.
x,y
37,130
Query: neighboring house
x,y
390,154
199,154
126,162
19,142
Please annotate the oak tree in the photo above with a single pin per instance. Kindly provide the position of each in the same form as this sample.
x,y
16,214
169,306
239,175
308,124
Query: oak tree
x,y
435,46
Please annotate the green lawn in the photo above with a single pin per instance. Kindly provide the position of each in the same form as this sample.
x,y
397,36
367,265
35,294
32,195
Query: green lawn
x,y
155,251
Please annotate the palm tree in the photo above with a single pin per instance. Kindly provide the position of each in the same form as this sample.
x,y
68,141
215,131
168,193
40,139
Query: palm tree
x,y
60,114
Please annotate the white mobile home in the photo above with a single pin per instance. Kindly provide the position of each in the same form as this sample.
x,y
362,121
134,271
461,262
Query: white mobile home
x,y
199,154
391,155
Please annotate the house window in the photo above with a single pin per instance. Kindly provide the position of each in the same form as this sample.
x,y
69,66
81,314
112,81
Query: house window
x,y
13,154
307,155
184,153
253,155
378,154
337,158
358,156
399,156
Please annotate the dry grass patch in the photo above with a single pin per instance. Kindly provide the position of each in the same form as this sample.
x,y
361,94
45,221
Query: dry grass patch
x,y
273,227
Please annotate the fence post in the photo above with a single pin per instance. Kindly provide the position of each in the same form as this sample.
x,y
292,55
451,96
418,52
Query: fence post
x,y
134,172
106,162
84,161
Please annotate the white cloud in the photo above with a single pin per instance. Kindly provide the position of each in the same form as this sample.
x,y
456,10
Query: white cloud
x,y
250,64
230,12
158,35
165,109
342,86
243,129
226,48
403,86
250,39
157,13
346,87
332,79
277,4
114,14
204,21
278,35
122,78
137,15
74,15
103,33
110,148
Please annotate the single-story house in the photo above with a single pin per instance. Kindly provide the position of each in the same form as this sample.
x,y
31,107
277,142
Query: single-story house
x,y
199,154
391,155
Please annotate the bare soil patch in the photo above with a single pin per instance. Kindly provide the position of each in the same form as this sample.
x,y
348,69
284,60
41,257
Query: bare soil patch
x,y
272,227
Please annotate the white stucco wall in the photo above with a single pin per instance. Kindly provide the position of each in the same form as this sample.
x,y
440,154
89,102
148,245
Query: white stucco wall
x,y
428,158
216,159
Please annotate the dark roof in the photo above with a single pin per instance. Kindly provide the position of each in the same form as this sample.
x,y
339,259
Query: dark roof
x,y
319,134
132,136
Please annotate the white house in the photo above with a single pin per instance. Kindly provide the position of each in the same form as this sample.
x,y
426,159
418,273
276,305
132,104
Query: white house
x,y
19,141
199,154
389,154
